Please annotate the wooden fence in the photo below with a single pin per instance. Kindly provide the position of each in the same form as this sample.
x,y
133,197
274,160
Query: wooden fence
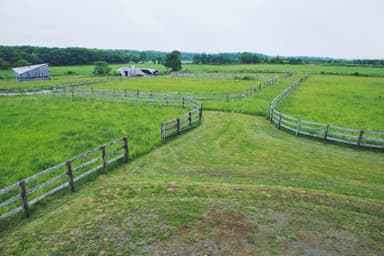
x,y
27,192
150,95
363,138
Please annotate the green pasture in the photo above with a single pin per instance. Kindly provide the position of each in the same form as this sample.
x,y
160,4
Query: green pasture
x,y
235,185
353,102
179,84
65,74
273,68
40,132
231,186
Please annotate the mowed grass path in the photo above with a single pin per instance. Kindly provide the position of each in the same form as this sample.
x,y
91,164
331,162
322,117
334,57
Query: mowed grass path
x,y
231,186
352,102
40,132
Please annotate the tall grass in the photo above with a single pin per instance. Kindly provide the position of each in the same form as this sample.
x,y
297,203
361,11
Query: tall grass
x,y
353,102
39,132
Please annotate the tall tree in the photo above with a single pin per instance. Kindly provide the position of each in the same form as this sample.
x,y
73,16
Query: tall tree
x,y
173,61
102,68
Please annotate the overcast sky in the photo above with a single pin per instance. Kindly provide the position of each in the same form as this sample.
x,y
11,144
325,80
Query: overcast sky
x,y
333,28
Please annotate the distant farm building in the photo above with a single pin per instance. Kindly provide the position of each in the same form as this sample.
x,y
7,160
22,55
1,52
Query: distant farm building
x,y
133,71
34,72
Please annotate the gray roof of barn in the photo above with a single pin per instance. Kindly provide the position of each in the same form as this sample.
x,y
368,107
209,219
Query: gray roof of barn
x,y
22,70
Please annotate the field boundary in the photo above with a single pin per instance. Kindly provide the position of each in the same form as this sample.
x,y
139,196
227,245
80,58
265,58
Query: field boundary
x,y
327,132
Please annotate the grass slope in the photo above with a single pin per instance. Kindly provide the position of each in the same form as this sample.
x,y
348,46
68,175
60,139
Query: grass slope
x,y
39,132
353,102
231,186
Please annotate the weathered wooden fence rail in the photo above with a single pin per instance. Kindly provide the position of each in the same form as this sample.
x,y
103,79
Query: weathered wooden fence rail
x,y
362,138
27,192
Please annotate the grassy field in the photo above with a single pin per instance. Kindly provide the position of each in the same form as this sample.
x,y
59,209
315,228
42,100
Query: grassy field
x,y
362,70
77,73
231,186
39,132
178,84
353,102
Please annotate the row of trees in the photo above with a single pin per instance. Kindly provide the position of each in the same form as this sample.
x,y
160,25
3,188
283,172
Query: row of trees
x,y
14,56
243,58
172,61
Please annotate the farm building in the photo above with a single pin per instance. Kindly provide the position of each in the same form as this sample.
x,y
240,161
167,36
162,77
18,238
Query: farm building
x,y
133,71
34,72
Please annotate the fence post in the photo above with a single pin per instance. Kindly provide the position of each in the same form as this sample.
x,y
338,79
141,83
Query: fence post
x,y
201,111
72,92
104,156
360,137
279,124
183,101
163,132
190,118
259,87
271,113
326,132
70,175
137,92
298,126
126,149
178,125
25,199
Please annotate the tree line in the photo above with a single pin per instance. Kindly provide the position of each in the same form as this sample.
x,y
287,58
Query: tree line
x,y
257,58
15,56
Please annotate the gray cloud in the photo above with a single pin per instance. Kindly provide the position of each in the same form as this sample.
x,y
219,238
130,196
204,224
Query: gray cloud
x,y
336,28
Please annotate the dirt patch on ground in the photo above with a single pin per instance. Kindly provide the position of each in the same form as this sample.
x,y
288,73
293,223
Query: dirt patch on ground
x,y
223,233
171,187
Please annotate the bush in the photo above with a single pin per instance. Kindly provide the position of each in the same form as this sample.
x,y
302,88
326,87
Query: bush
x,y
102,68
70,72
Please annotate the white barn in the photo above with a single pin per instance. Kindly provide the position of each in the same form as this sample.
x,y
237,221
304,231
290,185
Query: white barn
x,y
133,71
34,72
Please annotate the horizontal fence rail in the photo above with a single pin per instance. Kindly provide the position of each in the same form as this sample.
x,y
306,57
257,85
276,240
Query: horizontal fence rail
x,y
27,192
327,132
